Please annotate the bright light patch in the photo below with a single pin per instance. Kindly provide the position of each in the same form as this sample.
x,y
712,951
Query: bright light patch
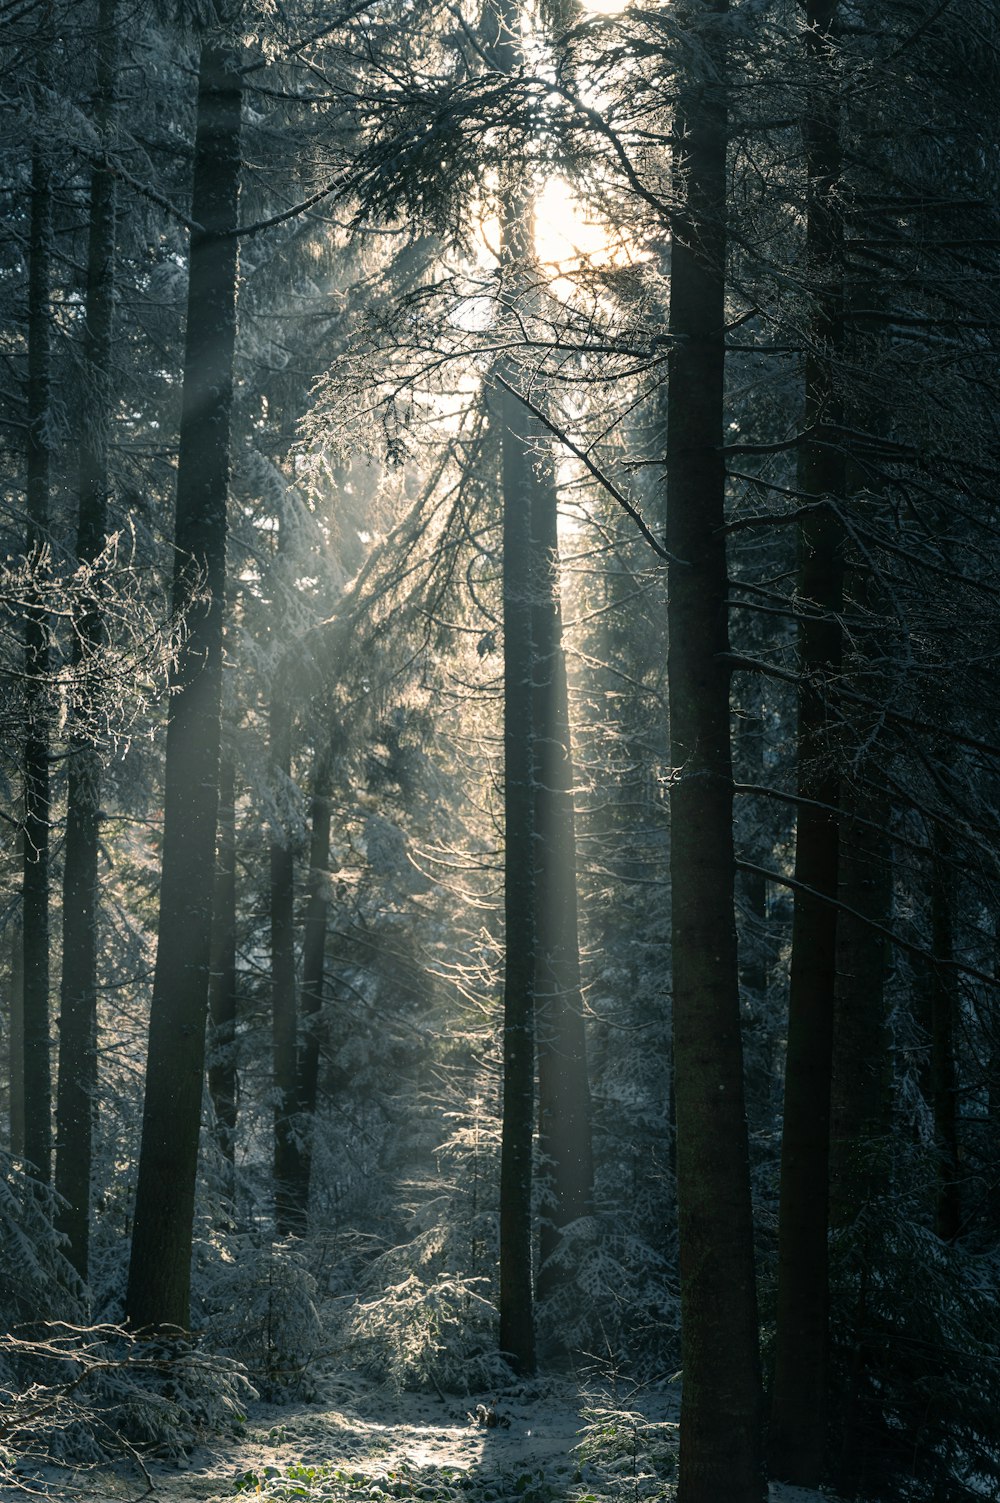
x,y
568,239
564,236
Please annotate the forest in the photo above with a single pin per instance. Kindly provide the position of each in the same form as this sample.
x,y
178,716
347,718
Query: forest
x,y
500,762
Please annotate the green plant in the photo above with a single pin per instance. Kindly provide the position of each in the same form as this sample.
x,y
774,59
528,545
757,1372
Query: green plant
x,y
427,1331
259,1300
637,1456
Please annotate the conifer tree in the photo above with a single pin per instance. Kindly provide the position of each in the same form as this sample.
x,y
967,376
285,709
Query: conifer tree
x,y
77,1091
160,1269
798,1397
720,1440
37,791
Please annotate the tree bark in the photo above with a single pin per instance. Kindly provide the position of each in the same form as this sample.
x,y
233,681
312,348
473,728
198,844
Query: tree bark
x,y
757,945
16,1040
860,1105
223,984
77,1089
944,1022
517,1338
37,799
284,1022
564,1137
313,967
721,1401
517,1322
799,1392
160,1270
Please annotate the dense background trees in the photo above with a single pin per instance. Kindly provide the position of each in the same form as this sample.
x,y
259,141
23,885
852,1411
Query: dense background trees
x,y
499,781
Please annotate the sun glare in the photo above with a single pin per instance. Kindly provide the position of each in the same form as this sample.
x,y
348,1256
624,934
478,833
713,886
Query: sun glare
x,y
568,239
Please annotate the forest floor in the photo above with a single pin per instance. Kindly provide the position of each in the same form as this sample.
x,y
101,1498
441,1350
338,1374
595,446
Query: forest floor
x,y
556,1442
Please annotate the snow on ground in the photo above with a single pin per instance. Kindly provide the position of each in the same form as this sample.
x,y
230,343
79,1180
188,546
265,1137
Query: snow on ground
x,y
362,1444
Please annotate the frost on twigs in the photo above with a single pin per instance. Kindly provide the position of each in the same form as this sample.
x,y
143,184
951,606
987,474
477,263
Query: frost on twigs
x,y
434,1332
260,1300
108,648
35,1276
637,1455
86,1395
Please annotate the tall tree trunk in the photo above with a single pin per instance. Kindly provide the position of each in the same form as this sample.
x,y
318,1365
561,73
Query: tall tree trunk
x,y
16,1040
517,1338
992,1017
798,1410
222,991
160,1270
861,1094
944,1024
313,966
77,1089
284,1023
860,1103
563,1089
517,1322
35,867
757,947
721,1402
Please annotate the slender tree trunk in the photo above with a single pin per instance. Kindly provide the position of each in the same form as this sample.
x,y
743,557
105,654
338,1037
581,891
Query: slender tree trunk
x,y
284,1023
16,1040
563,1088
861,1093
798,1410
944,1024
542,981
993,1083
77,1089
35,869
720,1455
313,966
517,1322
757,948
517,1339
860,1104
223,985
160,1269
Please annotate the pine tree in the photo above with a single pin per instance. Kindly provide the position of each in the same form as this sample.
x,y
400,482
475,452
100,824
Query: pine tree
x,y
77,1091
721,1405
37,791
798,1397
160,1268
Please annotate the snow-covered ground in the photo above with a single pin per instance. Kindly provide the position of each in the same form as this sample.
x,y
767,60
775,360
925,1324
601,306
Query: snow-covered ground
x,y
361,1444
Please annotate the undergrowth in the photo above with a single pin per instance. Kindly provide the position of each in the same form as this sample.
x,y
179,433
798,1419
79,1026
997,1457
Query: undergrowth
x,y
87,1395
621,1458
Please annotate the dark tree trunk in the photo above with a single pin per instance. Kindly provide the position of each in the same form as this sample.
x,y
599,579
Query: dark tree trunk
x,y
757,945
720,1455
563,1088
160,1269
222,991
517,1338
77,1091
284,1022
860,1104
993,1078
313,966
944,1025
35,869
798,1407
517,1321
16,1040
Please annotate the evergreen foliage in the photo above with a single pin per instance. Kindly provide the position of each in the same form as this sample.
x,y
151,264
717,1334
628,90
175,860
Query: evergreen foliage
x,y
613,268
